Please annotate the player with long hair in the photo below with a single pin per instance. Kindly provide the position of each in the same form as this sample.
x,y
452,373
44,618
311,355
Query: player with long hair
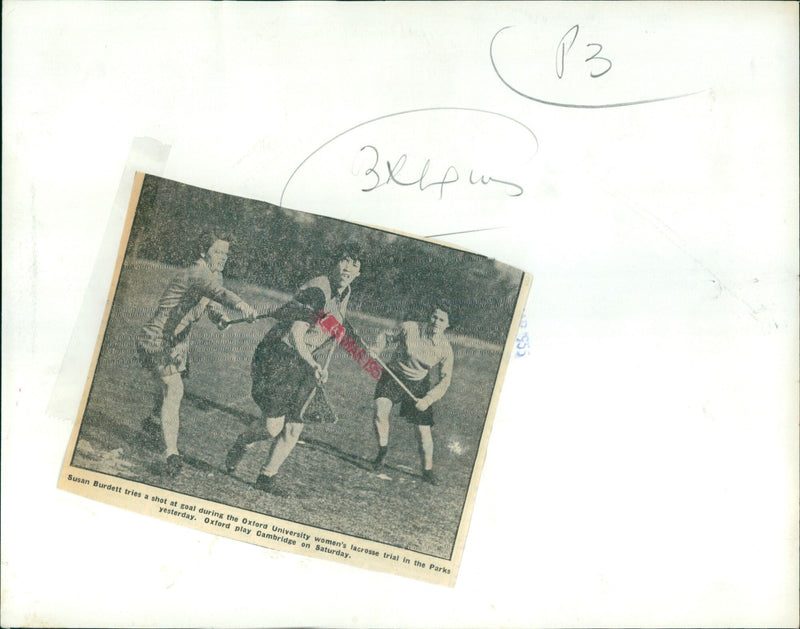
x,y
162,343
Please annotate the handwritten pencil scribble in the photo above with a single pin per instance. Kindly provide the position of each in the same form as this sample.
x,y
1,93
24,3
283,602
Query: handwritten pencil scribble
x,y
380,172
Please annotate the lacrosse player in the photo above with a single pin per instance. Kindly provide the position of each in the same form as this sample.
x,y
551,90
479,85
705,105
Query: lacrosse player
x,y
290,363
162,343
421,347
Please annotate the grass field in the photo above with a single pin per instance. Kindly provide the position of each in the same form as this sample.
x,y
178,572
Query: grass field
x,y
328,474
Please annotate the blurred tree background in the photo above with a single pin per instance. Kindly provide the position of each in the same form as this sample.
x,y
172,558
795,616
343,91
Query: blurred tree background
x,y
280,249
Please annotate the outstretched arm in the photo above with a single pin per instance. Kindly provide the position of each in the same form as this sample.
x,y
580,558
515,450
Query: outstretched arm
x,y
210,285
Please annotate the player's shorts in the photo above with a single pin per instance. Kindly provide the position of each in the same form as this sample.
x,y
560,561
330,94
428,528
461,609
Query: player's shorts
x,y
282,380
162,358
387,387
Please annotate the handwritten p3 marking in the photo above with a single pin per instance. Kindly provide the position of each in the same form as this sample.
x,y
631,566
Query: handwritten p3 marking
x,y
382,174
562,49
504,64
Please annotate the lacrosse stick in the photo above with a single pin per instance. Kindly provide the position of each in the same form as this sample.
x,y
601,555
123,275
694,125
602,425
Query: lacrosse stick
x,y
319,386
385,367
270,313
248,320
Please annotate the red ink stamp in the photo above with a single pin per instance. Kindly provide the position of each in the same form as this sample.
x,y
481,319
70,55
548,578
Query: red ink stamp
x,y
350,344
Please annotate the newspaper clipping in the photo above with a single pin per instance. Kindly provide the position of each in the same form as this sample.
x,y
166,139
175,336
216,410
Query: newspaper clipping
x,y
295,381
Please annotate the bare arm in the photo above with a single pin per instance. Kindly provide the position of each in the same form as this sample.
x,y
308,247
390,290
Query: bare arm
x,y
445,377
298,333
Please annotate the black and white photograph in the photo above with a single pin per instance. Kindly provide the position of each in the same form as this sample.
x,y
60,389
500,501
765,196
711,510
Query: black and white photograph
x,y
289,365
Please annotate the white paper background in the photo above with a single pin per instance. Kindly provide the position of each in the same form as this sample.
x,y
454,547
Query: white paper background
x,y
642,469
